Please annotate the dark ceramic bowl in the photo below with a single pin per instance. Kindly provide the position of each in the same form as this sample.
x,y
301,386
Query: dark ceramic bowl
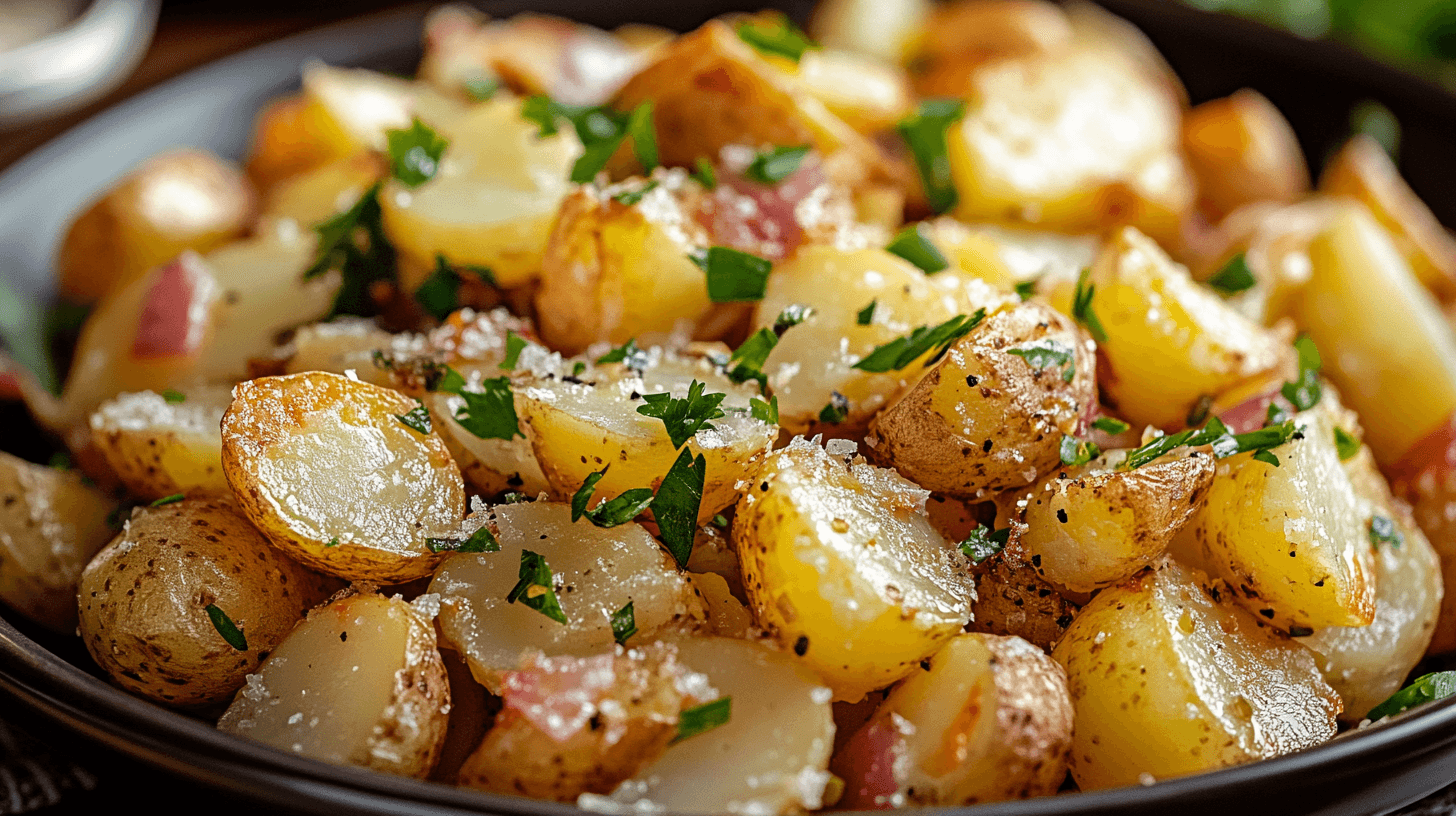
x,y
48,685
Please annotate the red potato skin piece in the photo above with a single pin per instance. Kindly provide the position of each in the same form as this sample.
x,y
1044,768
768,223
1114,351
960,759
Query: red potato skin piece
x,y
168,327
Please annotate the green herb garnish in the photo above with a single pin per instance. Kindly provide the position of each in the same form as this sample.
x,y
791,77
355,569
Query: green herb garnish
x,y
1304,392
1424,689
779,38
631,197
902,351
704,174
491,412
1383,531
480,88
614,512
173,396
911,244
354,243
601,131
417,420
866,316
515,344
733,276
836,410
482,540
684,417
227,629
776,164
1233,278
1025,290
984,542
1346,444
1082,307
439,295
703,718
1077,452
414,153
924,133
627,354
679,498
1110,425
746,362
765,411
166,500
624,624
1041,354
534,589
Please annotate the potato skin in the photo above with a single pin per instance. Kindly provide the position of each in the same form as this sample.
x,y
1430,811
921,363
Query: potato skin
x,y
143,601
160,449
952,436
1011,599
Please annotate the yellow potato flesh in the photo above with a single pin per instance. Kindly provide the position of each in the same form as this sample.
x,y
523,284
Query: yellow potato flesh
x,y
159,447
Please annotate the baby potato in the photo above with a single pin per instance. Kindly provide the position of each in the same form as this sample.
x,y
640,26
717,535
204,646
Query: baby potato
x,y
164,444
347,344
359,682
51,523
1241,150
988,719
581,426
1363,171
1169,679
354,108
288,139
156,602
1011,599
596,572
1087,527
842,566
325,467
770,757
493,198
183,199
318,194
574,725
614,271
992,413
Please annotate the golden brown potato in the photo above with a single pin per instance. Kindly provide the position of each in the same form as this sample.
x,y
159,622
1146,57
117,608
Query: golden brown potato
x,y
164,444
991,414
1363,171
986,719
1168,679
184,199
1011,599
359,682
325,467
150,602
288,140
51,523
1241,150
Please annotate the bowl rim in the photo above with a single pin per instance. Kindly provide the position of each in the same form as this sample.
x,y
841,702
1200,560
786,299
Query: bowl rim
x,y
60,692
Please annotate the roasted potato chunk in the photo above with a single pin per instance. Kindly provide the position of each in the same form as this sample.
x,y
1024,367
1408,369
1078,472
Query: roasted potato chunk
x,y
1011,599
288,140
51,523
359,682
184,199
156,602
595,572
988,719
1168,679
991,415
320,193
1242,150
842,566
1273,240
327,469
164,444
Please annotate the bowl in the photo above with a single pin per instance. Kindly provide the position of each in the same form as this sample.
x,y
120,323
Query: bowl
x,y
48,685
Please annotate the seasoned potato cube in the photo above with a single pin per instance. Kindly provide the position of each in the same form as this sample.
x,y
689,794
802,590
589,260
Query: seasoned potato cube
x,y
992,413
1087,527
988,719
1167,679
1170,342
163,444
325,467
1401,383
574,725
183,199
842,566
1363,171
1011,599
51,523
769,758
581,427
1242,150
359,682
148,602
596,571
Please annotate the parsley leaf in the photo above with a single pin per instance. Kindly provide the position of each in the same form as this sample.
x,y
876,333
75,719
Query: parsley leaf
x,y
541,111
173,396
911,244
984,542
1424,689
679,498
166,500
1025,290
534,589
227,629
765,411
924,133
779,38
614,512
1233,278
703,718
1041,354
627,354
482,540
776,164
354,242
684,417
1267,457
704,174
1304,393
417,420
748,359
631,197
733,276
866,316
642,130
1346,444
624,624
1383,531
836,410
515,344
583,494
439,295
1225,444
414,153
1076,452
902,351
1082,307
480,88
1109,424
491,412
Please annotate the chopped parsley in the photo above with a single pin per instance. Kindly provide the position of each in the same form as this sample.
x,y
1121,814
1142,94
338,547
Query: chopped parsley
x,y
631,197
775,164
1383,531
534,589
778,38
642,130
902,351
614,512
439,295
354,243
480,88
1304,393
1041,354
765,411
515,344
577,368
679,498
1424,689
628,354
333,542
1346,444
1082,307
684,417
866,316
703,718
720,521
624,624
1025,290
1077,452
1225,444
227,629
704,174
166,500
984,542
601,131
173,396
911,244
1233,278
417,420
491,412
746,362
482,540
924,133
414,153
836,410
1110,425
733,276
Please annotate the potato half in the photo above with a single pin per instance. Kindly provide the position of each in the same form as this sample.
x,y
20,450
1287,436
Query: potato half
x,y
1241,149
164,444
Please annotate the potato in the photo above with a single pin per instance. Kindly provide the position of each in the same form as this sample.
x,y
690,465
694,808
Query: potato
x,y
842,566
147,601
992,413
727,616
1401,383
1087,527
164,444
1363,171
493,198
323,465
987,719
1011,599
574,725
769,758
581,425
1169,679
320,193
359,682
1292,541
355,107
1274,242
713,553
868,94
1427,480
1005,256
289,139
873,27
51,523
195,320
596,571
348,344
182,199
1170,342
1241,150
